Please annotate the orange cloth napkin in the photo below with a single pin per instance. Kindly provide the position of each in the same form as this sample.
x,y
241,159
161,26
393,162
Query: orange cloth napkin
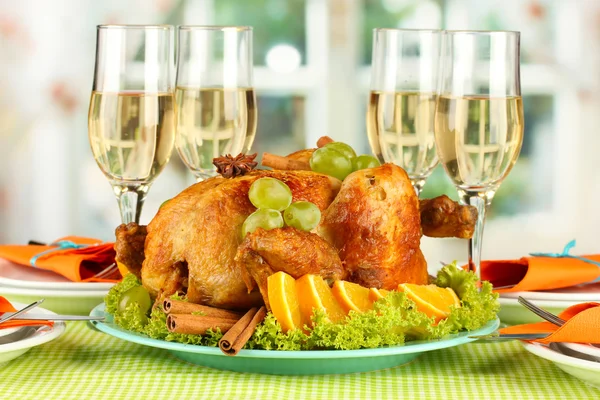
x,y
542,271
78,264
582,326
5,306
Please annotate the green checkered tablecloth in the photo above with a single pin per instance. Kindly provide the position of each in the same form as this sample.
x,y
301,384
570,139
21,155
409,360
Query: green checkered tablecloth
x,y
87,364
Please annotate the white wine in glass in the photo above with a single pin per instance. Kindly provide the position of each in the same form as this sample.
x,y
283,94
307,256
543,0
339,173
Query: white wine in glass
x,y
213,122
215,100
479,138
479,118
400,115
131,121
131,134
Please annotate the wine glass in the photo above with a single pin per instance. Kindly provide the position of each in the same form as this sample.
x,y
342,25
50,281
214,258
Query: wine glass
x,y
131,121
479,118
215,100
400,115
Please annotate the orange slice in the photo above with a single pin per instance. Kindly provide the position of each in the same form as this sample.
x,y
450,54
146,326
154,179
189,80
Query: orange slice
x,y
122,269
313,292
431,299
283,298
352,296
376,294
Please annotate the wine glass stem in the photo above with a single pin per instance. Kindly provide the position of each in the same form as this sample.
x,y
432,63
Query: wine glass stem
x,y
417,184
481,201
131,199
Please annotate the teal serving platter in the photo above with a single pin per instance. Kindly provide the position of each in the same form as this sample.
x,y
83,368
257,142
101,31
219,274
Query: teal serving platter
x,y
305,362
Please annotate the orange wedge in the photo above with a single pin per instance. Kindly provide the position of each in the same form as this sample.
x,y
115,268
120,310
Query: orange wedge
x,y
122,269
376,294
314,293
431,299
352,296
283,299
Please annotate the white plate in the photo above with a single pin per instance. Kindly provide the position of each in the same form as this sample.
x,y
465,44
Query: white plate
x,y
16,275
10,351
590,292
513,313
79,302
7,331
587,371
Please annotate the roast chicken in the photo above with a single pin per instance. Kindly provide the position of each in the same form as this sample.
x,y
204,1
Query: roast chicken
x,y
369,233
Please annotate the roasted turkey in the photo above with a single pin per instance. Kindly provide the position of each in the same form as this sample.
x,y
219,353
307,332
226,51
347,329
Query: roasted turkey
x,y
369,233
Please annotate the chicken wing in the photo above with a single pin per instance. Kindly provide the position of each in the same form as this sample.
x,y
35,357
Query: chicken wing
x,y
295,252
442,217
129,246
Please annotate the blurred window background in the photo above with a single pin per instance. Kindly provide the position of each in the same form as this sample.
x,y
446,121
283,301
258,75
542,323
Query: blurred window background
x,y
311,74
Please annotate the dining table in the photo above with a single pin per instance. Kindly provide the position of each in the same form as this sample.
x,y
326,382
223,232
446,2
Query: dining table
x,y
85,363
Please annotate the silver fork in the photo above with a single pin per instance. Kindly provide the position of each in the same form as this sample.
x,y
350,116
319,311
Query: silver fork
x,y
540,312
548,316
106,272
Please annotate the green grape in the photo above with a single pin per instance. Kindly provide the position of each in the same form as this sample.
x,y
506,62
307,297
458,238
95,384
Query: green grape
x,y
330,162
365,161
343,148
136,294
302,215
262,218
270,193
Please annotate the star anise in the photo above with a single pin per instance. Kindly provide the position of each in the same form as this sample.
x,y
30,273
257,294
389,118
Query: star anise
x,y
230,167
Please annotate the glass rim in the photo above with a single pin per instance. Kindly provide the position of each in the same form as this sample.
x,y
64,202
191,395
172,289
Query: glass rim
x,y
480,32
240,28
408,30
134,26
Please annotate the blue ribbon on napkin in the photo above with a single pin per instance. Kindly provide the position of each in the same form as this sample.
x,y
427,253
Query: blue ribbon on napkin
x,y
60,245
565,254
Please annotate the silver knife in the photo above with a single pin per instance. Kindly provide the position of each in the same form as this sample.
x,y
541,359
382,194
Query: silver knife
x,y
52,317
505,336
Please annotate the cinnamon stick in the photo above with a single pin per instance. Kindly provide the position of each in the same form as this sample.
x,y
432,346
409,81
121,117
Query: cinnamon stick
x,y
235,339
183,307
284,163
197,324
323,140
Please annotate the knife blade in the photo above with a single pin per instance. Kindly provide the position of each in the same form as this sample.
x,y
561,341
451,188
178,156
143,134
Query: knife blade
x,y
505,336
53,317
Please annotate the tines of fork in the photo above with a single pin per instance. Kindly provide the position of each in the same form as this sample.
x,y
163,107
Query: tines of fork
x,y
108,272
540,312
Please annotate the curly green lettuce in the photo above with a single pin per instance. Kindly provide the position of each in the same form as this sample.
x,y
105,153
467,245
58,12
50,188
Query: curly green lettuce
x,y
478,304
394,320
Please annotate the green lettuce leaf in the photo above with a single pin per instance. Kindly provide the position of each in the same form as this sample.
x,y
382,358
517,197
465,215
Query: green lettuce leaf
x,y
393,320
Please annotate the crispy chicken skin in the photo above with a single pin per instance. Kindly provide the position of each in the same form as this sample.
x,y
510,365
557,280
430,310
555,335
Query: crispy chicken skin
x,y
442,217
193,240
370,234
295,252
374,222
